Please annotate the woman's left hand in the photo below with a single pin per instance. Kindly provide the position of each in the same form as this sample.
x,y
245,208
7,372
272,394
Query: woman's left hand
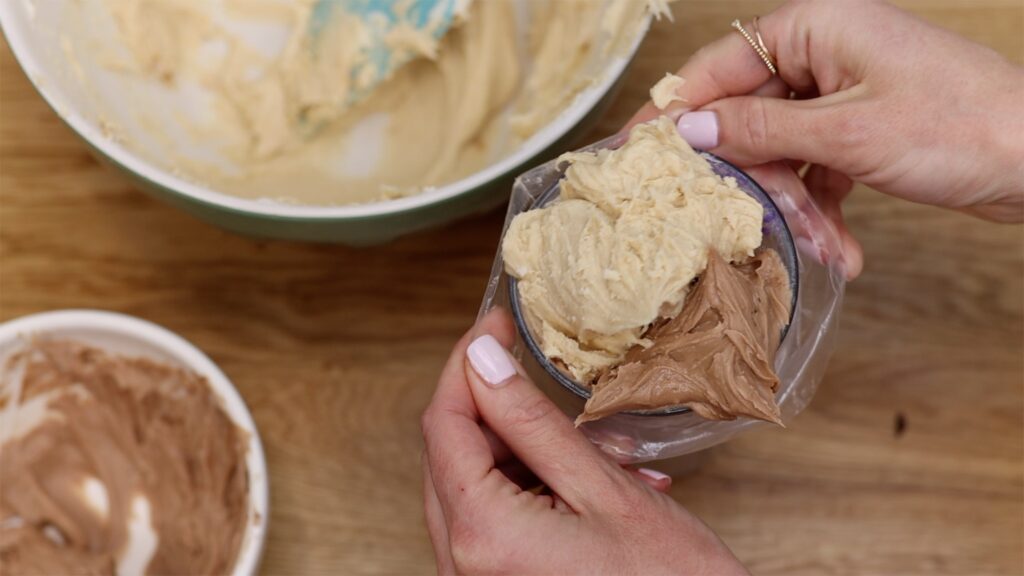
x,y
491,434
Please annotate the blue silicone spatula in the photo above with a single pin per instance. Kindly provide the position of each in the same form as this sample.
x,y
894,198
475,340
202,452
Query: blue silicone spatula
x,y
380,17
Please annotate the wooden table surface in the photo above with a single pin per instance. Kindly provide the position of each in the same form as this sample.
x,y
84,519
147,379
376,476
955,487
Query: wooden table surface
x,y
336,351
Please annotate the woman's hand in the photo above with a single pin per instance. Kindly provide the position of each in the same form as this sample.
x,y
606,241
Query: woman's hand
x,y
880,97
491,434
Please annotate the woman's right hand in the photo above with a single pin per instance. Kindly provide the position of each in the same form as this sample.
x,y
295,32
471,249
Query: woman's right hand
x,y
881,97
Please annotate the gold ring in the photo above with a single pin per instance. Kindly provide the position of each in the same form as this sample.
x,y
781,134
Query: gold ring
x,y
757,43
760,41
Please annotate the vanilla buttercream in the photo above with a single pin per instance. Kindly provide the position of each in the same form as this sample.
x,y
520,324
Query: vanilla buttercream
x,y
619,248
666,91
293,132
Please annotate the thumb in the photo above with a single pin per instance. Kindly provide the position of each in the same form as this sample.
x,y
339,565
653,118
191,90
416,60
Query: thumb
x,y
751,130
536,431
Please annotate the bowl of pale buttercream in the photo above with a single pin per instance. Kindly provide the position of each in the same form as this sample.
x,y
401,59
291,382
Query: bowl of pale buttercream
x,y
233,111
123,450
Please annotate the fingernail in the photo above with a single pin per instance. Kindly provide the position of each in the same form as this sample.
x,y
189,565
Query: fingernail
x,y
805,246
490,360
810,248
844,270
699,129
654,474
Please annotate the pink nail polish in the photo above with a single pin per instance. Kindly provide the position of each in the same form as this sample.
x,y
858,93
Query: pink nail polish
x,y
843,269
811,248
654,474
490,360
699,129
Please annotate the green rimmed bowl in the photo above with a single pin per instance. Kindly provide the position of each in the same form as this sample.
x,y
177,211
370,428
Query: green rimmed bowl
x,y
47,44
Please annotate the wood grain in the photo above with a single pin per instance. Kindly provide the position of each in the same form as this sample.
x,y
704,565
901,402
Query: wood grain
x,y
909,460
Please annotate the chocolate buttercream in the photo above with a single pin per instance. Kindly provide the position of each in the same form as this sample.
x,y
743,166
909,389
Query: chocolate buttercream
x,y
716,356
116,465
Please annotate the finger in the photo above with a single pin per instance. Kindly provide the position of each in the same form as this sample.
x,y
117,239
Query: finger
x,y
812,233
656,480
507,463
523,477
437,527
556,501
825,182
729,66
520,475
536,431
559,504
829,188
816,235
458,451
749,130
774,87
1006,212
499,450
498,323
795,165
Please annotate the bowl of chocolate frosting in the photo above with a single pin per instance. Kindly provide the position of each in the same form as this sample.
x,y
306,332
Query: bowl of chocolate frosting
x,y
653,279
123,450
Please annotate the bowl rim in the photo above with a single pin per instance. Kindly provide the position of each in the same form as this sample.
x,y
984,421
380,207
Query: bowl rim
x,y
124,158
158,337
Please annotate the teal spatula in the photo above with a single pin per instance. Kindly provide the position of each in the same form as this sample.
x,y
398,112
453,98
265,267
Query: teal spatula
x,y
433,17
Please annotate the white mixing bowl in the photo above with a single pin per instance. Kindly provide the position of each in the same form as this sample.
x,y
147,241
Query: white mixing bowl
x,y
54,55
129,336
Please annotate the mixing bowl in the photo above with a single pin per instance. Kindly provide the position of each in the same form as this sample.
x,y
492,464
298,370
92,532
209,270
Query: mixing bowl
x,y
56,57
125,335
